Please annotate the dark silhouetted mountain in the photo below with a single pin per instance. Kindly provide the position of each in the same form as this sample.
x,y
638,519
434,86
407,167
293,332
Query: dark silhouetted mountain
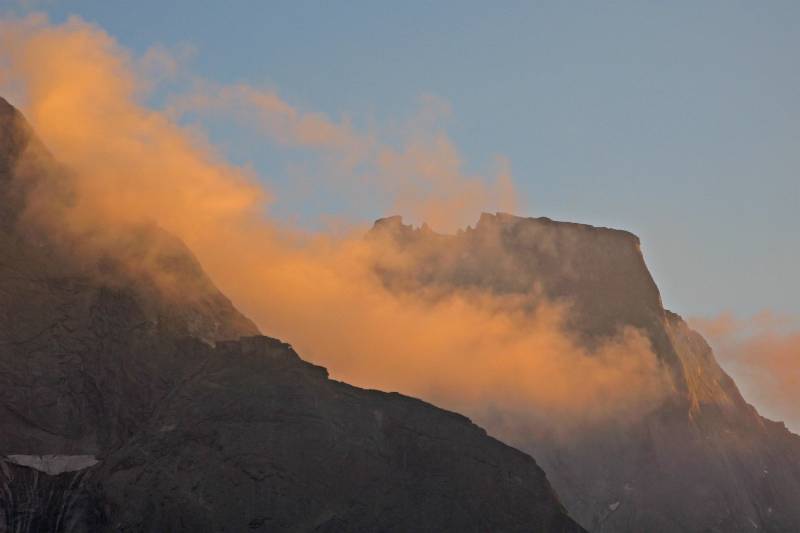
x,y
135,397
704,461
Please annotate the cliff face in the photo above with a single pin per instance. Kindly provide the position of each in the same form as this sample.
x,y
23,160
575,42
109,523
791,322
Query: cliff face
x,y
256,438
135,397
600,271
704,461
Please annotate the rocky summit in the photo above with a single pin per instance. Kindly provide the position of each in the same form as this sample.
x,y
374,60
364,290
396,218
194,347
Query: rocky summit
x,y
703,460
135,397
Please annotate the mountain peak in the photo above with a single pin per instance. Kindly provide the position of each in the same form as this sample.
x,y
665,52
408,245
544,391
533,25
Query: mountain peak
x,y
703,441
507,220
15,135
120,359
6,108
11,118
390,222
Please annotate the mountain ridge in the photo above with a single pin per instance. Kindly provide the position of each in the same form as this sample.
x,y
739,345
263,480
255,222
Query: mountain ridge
x,y
704,443
135,397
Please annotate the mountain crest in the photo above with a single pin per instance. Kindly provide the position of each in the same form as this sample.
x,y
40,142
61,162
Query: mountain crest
x,y
132,406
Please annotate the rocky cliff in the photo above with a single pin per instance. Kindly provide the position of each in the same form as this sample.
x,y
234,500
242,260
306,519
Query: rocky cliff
x,y
135,397
703,461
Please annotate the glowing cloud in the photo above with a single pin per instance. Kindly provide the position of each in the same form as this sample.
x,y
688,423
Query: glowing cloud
x,y
763,354
477,352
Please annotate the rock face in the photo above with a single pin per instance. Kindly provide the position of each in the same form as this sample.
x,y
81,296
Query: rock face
x,y
704,461
135,397
258,439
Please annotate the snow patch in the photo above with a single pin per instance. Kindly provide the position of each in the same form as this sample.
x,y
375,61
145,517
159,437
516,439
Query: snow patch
x,y
54,464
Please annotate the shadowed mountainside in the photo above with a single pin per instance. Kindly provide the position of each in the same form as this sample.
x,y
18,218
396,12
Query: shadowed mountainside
x,y
135,397
703,461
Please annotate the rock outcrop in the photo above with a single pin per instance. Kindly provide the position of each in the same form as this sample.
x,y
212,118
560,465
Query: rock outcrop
x,y
704,461
258,439
135,397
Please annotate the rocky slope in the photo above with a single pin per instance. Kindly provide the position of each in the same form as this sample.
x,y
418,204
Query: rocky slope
x,y
704,461
135,397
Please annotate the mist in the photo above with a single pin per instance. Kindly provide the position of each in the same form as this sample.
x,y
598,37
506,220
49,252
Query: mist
x,y
762,353
510,365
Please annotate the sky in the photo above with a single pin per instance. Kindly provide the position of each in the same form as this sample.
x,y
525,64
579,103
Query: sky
x,y
678,122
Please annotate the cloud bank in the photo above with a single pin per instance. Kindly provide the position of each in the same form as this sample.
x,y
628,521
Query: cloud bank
x,y
511,368
762,353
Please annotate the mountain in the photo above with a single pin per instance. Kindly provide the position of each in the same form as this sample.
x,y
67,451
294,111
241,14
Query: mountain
x,y
135,397
703,460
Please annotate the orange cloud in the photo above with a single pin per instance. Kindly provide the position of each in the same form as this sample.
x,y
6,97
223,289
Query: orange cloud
x,y
81,95
423,177
278,119
763,354
483,354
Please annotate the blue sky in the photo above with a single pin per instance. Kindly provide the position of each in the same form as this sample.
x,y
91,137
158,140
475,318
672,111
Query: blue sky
x,y
678,121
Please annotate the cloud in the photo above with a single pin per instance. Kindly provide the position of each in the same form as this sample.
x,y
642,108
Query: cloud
x,y
160,64
762,353
275,117
511,367
421,175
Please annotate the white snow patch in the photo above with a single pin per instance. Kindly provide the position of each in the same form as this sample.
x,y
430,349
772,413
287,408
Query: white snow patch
x,y
54,464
